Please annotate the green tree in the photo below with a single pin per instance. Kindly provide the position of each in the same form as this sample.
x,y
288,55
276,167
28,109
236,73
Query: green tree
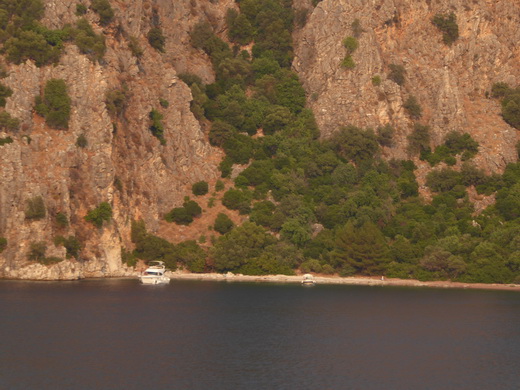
x,y
156,39
55,105
241,245
448,25
101,213
364,249
223,223
200,188
35,208
104,10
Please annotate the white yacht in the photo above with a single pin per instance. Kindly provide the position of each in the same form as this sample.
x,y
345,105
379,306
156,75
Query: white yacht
x,y
308,280
154,274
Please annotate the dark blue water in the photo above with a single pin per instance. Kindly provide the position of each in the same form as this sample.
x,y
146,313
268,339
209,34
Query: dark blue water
x,y
117,334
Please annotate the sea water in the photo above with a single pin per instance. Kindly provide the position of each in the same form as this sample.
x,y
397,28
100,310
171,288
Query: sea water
x,y
118,334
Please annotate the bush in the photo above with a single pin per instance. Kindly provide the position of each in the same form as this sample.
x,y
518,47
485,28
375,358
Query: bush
x,y
116,100
87,41
419,139
61,220
55,104
376,81
219,185
81,141
223,223
8,123
5,92
81,9
35,208
135,48
5,141
397,74
200,188
156,126
412,107
184,215
348,62
156,39
71,244
238,200
351,44
3,244
37,251
31,45
101,213
448,25
104,10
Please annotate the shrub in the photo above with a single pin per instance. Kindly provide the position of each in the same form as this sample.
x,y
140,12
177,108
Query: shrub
x,y
223,223
55,104
104,10
5,141
200,188
135,48
61,220
116,100
351,44
128,258
156,126
7,122
81,141
81,9
219,185
238,200
443,180
87,41
357,29
3,244
156,39
31,45
376,80
419,139
37,251
397,74
101,213
348,62
164,103
5,92
35,208
448,25
184,215
71,244
412,107
385,135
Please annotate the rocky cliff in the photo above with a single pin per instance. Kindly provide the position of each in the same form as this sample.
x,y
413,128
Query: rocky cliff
x,y
449,81
124,164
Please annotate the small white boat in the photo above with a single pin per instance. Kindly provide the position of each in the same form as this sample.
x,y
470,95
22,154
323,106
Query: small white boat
x,y
308,280
154,274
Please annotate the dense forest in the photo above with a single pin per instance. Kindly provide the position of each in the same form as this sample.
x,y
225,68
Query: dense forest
x,y
315,205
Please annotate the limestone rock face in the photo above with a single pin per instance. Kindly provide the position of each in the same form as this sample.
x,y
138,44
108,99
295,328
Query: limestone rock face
x,y
449,82
123,163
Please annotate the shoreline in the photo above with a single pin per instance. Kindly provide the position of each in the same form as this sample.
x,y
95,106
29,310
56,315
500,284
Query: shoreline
x,y
334,280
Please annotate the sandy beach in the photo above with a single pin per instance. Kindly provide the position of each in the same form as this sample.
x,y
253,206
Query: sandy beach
x,y
326,279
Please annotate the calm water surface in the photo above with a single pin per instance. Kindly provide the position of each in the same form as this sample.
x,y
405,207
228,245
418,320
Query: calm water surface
x,y
118,334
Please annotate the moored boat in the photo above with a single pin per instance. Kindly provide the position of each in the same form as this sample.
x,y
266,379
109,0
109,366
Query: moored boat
x,y
308,280
154,274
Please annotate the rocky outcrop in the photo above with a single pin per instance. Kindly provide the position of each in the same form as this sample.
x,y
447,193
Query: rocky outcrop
x,y
123,163
450,82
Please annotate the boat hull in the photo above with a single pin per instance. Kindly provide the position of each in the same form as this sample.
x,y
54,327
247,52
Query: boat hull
x,y
146,279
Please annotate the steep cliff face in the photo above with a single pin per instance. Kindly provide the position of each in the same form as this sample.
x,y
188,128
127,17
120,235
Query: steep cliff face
x,y
123,163
449,82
